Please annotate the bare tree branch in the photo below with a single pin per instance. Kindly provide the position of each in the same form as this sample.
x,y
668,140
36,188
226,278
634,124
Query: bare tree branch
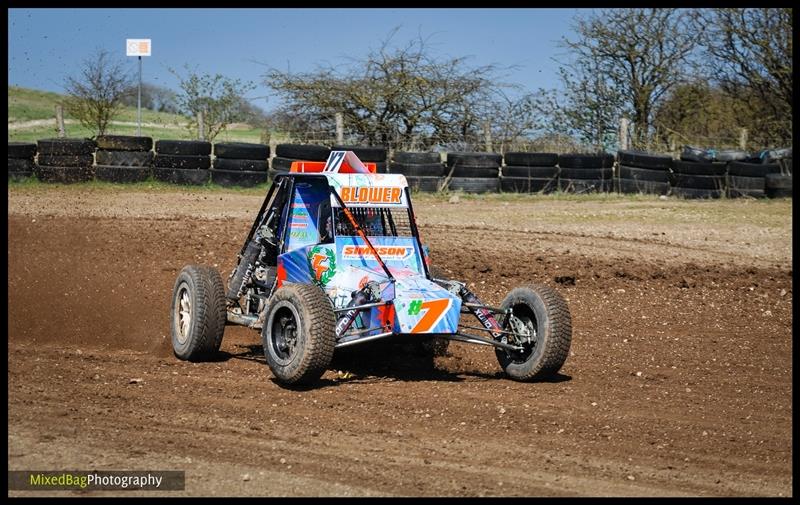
x,y
220,98
750,51
397,94
637,55
95,95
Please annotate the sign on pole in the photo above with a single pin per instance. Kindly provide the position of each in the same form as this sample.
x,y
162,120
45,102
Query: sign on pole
x,y
138,47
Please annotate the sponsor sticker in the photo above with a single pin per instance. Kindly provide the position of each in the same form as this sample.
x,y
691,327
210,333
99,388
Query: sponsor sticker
x,y
387,253
371,194
434,311
322,262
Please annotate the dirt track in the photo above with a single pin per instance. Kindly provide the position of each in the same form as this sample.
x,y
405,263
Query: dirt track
x,y
678,381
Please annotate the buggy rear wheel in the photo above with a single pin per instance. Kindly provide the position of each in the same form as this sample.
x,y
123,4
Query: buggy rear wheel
x,y
198,313
542,315
299,333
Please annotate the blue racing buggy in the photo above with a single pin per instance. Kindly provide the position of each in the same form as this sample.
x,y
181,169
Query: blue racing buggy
x,y
334,259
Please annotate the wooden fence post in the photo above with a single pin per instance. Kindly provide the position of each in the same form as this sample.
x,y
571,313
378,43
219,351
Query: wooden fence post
x,y
60,121
339,128
624,139
201,125
487,136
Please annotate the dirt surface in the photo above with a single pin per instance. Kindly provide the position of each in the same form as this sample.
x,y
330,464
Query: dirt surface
x,y
678,381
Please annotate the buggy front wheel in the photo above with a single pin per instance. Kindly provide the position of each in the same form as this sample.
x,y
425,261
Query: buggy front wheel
x,y
542,325
299,333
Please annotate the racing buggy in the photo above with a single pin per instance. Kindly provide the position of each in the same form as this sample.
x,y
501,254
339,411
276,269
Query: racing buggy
x,y
334,259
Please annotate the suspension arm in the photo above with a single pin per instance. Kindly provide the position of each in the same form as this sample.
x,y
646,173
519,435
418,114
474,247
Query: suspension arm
x,y
483,313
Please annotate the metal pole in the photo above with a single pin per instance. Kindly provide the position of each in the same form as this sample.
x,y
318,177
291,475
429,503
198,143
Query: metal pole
x,y
139,103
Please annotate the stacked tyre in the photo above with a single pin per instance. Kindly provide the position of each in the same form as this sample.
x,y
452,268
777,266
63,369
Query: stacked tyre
x,y
729,155
749,179
240,164
641,172
472,172
285,154
529,173
369,154
782,157
21,160
182,161
778,185
123,158
698,179
65,160
423,171
585,173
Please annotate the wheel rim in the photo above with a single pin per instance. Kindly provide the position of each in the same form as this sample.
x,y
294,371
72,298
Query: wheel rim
x,y
183,311
523,320
283,333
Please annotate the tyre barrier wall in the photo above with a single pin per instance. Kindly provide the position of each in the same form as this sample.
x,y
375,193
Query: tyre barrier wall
x,y
127,159
123,158
472,172
65,160
21,160
240,164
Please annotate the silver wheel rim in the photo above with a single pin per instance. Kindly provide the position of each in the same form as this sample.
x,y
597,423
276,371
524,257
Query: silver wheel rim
x,y
183,308
531,344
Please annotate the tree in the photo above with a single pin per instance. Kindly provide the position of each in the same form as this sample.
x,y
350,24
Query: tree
x,y
251,113
593,103
157,98
637,53
94,96
218,97
515,121
751,58
700,114
395,96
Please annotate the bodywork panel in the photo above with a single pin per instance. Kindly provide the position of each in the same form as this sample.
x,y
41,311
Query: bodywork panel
x,y
414,304
347,265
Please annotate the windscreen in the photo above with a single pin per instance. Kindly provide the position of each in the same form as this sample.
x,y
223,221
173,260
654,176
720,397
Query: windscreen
x,y
374,221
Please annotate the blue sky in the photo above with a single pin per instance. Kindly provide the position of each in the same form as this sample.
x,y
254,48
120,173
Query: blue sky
x,y
47,45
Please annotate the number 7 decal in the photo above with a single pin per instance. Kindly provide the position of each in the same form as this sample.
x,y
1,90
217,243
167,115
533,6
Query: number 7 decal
x,y
335,159
434,312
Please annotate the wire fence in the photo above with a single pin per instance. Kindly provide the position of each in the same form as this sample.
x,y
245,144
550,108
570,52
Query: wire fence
x,y
660,139
468,143
661,142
